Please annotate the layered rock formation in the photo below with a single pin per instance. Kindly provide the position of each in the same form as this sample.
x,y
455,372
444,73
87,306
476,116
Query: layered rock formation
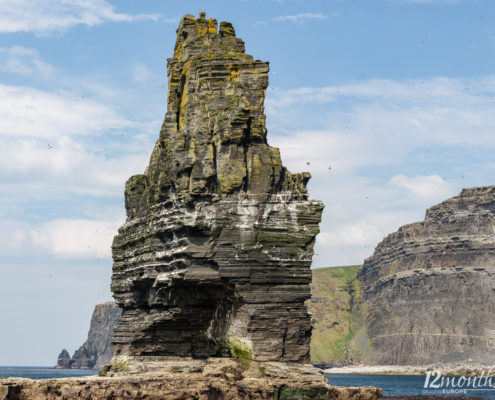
x,y
214,256
429,288
97,350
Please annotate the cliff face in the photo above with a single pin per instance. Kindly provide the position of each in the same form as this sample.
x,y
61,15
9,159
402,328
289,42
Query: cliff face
x,y
214,256
429,288
97,350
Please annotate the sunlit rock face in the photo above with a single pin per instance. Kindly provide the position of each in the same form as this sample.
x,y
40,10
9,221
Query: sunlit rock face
x,y
215,254
429,288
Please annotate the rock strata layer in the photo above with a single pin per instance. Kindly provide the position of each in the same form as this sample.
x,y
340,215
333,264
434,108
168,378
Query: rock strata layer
x,y
97,350
429,288
222,378
214,258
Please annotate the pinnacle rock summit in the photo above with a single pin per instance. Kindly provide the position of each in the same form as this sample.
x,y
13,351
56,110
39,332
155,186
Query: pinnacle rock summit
x,y
214,258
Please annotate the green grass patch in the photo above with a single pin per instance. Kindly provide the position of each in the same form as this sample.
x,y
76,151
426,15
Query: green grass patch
x,y
241,351
338,314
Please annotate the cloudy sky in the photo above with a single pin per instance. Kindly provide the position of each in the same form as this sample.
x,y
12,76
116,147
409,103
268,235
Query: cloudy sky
x,y
388,103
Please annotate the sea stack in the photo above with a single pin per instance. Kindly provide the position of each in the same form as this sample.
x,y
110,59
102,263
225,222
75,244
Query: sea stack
x,y
429,288
63,360
96,351
214,258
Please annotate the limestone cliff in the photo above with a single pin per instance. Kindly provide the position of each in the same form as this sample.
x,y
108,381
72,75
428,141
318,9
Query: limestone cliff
x,y
97,350
214,258
429,288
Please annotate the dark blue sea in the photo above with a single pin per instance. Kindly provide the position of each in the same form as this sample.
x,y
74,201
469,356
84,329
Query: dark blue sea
x,y
401,385
43,372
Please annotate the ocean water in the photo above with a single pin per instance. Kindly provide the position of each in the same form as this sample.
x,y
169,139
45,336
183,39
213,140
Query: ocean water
x,y
402,385
43,372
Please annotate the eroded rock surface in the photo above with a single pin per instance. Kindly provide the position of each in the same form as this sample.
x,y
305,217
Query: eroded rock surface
x,y
216,378
214,258
97,349
429,288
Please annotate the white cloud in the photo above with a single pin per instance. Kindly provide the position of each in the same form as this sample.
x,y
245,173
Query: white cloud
x,y
300,18
326,151
357,234
42,16
13,236
76,238
22,60
431,188
172,20
140,73
394,115
57,145
28,112
61,142
382,151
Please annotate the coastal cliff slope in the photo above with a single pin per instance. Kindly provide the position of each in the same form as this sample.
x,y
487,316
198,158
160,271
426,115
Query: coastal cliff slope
x,y
97,349
339,335
429,288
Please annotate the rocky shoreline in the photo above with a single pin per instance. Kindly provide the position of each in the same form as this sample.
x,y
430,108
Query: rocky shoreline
x,y
186,378
445,369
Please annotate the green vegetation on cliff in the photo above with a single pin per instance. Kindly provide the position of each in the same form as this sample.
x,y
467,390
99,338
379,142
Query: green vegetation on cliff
x,y
339,336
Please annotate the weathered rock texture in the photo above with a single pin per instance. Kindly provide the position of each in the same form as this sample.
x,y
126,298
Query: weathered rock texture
x,y
63,360
97,350
214,257
223,378
429,288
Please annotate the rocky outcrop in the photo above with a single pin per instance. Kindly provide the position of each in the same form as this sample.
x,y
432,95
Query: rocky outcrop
x,y
97,350
214,258
429,288
216,378
63,360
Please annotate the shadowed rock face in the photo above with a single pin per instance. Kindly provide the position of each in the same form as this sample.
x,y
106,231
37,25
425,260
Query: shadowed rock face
x,y
430,287
215,253
63,360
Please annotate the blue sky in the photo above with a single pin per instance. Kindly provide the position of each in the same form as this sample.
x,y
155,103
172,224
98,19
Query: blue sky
x,y
388,103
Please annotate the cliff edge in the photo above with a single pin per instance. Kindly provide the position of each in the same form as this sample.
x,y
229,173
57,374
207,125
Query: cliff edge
x,y
429,288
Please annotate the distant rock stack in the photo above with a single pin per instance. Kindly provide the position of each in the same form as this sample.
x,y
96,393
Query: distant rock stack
x,y
429,288
63,360
97,350
214,258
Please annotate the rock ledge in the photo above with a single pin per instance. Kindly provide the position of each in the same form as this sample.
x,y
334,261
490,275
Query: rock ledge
x,y
182,378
